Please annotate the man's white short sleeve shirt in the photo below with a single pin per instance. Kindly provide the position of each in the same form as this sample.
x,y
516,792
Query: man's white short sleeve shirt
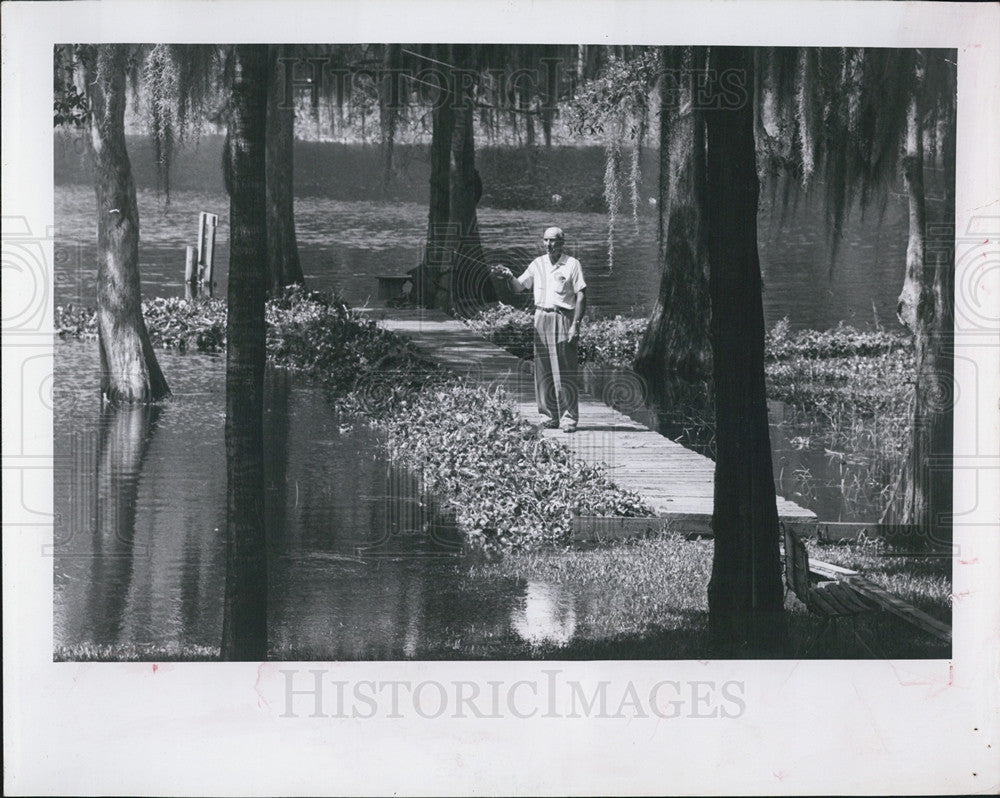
x,y
555,284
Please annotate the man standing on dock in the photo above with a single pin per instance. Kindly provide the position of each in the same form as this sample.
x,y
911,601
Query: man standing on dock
x,y
560,301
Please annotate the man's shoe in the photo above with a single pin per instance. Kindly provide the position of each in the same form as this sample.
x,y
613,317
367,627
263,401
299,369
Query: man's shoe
x,y
550,423
569,428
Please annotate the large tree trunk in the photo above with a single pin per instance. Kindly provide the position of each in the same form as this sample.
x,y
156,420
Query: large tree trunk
x,y
675,343
244,627
282,248
129,370
471,284
922,501
436,256
744,595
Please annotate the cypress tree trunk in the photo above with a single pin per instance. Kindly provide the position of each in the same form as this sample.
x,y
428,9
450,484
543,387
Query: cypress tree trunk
x,y
744,595
282,248
675,343
129,369
926,309
471,284
277,384
244,627
436,256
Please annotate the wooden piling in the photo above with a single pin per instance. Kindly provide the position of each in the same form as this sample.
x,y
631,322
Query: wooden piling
x,y
190,273
207,222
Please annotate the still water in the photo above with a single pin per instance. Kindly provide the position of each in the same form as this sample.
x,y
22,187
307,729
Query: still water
x,y
344,245
361,562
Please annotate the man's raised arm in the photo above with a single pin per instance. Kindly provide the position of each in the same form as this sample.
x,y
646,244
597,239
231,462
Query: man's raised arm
x,y
502,272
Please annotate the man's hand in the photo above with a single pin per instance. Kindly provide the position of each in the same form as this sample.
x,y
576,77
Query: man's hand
x,y
574,331
501,272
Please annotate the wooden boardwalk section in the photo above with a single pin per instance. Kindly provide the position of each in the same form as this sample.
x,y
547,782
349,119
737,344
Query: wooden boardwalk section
x,y
676,482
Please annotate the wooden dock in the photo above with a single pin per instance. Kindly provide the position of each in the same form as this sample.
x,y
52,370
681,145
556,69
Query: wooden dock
x,y
676,482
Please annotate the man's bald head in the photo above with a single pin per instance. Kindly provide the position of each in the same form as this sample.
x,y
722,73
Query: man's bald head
x,y
554,234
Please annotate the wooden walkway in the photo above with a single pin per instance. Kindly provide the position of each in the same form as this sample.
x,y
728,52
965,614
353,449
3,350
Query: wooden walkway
x,y
675,481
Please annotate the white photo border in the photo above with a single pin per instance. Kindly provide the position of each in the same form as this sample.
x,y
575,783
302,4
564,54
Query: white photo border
x,y
918,727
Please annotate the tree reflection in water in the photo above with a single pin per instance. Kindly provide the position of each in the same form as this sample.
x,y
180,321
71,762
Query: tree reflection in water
x,y
124,438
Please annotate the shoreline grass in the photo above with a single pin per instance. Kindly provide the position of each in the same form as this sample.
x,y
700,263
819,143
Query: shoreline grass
x,y
654,608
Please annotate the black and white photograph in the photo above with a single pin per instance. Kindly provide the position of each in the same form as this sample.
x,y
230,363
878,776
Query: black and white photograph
x,y
559,379
703,412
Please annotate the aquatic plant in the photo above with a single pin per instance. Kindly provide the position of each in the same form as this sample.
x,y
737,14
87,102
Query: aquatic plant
x,y
510,488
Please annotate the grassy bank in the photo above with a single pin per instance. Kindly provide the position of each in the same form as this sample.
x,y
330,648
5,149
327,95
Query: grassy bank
x,y
640,599
656,605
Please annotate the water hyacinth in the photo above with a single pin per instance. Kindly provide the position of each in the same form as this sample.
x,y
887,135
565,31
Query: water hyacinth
x,y
608,342
173,323
510,488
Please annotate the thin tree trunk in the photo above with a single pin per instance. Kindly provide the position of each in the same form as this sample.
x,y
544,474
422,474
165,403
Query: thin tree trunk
x,y
389,108
129,369
529,119
524,96
744,595
675,343
244,628
926,308
284,267
547,110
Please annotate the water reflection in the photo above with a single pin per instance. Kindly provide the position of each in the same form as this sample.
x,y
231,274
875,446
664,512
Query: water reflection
x,y
361,562
547,613
124,437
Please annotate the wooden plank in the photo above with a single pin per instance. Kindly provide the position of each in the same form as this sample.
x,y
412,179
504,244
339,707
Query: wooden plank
x,y
902,609
849,600
819,603
830,571
884,599
838,600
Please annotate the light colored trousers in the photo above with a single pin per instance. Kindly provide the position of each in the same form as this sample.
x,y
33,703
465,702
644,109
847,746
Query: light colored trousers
x,y
556,376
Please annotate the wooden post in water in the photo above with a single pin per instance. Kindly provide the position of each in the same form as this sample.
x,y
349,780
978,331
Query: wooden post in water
x,y
190,273
207,222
